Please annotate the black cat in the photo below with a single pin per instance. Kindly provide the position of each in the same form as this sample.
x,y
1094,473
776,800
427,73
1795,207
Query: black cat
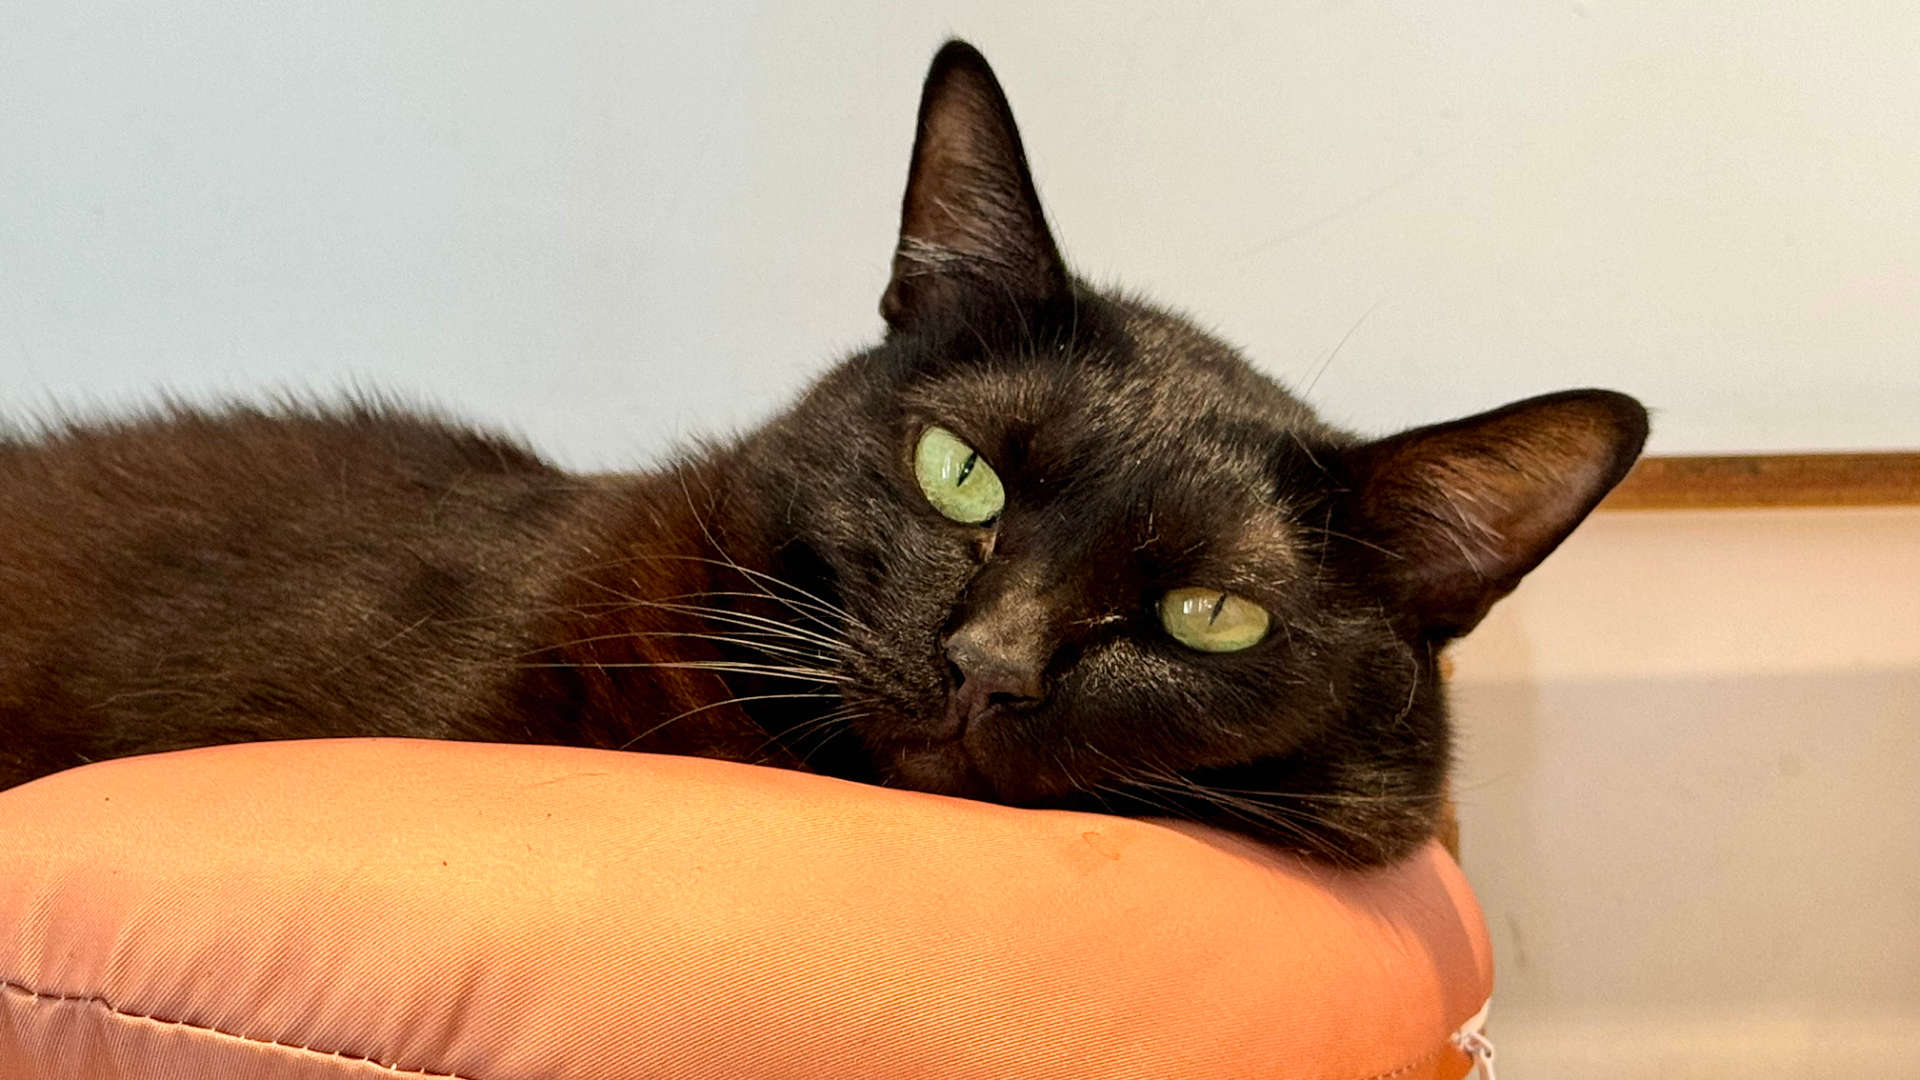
x,y
1045,545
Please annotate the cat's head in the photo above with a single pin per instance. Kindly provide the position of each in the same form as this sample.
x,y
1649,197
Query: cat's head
x,y
1090,557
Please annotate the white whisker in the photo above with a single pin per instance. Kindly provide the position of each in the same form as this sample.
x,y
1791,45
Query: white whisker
x,y
714,705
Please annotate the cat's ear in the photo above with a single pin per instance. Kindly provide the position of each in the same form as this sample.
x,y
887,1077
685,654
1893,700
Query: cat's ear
x,y
1459,512
971,228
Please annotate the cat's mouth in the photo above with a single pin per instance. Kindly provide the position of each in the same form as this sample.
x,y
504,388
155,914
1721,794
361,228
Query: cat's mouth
x,y
973,764
942,768
948,744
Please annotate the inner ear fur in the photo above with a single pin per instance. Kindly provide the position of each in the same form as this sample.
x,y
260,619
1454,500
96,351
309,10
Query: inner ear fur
x,y
1459,512
971,228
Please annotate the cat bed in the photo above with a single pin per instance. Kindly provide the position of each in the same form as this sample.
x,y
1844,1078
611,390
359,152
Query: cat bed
x,y
381,908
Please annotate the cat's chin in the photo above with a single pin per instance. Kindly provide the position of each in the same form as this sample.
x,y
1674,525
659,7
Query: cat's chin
x,y
950,767
941,768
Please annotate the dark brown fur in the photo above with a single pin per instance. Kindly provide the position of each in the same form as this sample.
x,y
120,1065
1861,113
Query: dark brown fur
x,y
195,577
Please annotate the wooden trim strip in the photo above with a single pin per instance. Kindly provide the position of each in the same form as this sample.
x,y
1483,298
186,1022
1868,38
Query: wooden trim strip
x,y
1763,480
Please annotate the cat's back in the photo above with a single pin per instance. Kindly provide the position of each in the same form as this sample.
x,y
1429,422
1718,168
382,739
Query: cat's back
x,y
185,565
152,457
180,488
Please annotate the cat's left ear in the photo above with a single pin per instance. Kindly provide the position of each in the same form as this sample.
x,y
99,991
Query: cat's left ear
x,y
1457,513
972,233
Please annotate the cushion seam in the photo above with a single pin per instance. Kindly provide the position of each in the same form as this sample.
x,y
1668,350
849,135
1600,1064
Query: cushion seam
x,y
1431,1055
100,1002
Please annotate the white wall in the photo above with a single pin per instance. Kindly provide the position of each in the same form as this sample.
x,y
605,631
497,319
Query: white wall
x,y
610,224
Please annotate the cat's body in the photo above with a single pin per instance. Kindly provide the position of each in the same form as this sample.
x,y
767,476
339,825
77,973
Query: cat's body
x,y
208,577
810,595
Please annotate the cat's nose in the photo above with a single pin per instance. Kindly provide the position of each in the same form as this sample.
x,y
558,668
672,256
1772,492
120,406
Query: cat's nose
x,y
987,674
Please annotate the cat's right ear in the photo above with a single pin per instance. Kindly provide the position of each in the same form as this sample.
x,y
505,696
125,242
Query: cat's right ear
x,y
972,234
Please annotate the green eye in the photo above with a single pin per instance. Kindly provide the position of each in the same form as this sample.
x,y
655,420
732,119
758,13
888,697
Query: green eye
x,y
1213,621
956,480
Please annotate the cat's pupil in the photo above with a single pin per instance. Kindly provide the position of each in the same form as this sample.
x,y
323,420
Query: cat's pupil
x,y
1217,606
966,468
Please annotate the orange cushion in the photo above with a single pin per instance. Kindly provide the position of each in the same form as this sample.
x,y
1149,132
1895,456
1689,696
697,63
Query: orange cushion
x,y
363,908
